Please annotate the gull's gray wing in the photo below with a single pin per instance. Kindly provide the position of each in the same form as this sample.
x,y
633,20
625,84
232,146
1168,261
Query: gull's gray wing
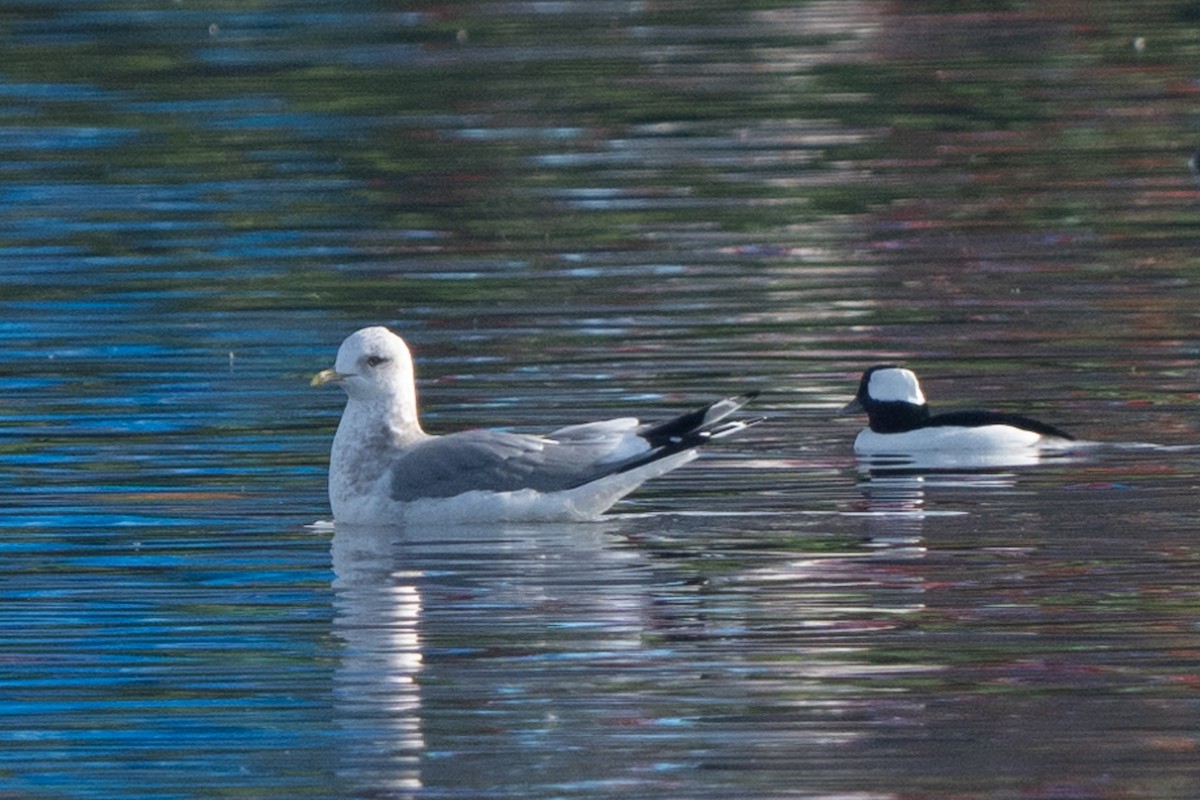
x,y
498,461
495,461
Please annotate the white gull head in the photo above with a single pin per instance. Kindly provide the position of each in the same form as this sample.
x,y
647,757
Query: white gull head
x,y
375,369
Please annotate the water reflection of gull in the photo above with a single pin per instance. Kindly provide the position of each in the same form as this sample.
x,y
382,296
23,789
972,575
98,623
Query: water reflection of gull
x,y
377,698
553,659
460,593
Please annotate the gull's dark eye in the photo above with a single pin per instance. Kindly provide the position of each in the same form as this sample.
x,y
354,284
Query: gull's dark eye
x,y
375,361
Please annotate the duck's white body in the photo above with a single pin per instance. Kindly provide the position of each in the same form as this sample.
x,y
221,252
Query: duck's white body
x,y
981,439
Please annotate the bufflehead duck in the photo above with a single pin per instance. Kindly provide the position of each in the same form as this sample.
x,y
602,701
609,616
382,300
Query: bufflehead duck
x,y
900,422
385,470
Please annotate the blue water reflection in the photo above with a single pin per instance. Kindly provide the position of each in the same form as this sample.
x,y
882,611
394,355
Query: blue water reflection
x,y
123,660
577,210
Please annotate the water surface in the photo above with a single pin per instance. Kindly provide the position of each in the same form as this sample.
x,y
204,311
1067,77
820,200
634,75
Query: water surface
x,y
574,210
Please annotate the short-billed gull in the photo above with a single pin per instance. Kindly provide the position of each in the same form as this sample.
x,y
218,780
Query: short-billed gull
x,y
384,469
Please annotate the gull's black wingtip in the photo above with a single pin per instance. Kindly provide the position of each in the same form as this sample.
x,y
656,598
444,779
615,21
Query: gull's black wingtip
x,y
694,425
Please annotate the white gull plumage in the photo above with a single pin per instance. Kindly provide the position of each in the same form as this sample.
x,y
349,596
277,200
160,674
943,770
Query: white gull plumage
x,y
384,469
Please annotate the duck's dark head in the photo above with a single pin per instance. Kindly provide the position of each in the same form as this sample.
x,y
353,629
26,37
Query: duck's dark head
x,y
891,398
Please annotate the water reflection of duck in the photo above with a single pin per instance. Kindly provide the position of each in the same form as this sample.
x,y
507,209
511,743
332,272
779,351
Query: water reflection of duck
x,y
384,469
901,425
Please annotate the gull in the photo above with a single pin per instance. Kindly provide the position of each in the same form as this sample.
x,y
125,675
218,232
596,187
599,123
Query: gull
x,y
384,469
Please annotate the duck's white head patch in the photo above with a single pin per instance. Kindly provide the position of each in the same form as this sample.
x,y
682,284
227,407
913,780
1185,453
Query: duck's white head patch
x,y
895,385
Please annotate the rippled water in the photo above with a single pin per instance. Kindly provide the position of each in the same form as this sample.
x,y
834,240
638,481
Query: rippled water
x,y
574,210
